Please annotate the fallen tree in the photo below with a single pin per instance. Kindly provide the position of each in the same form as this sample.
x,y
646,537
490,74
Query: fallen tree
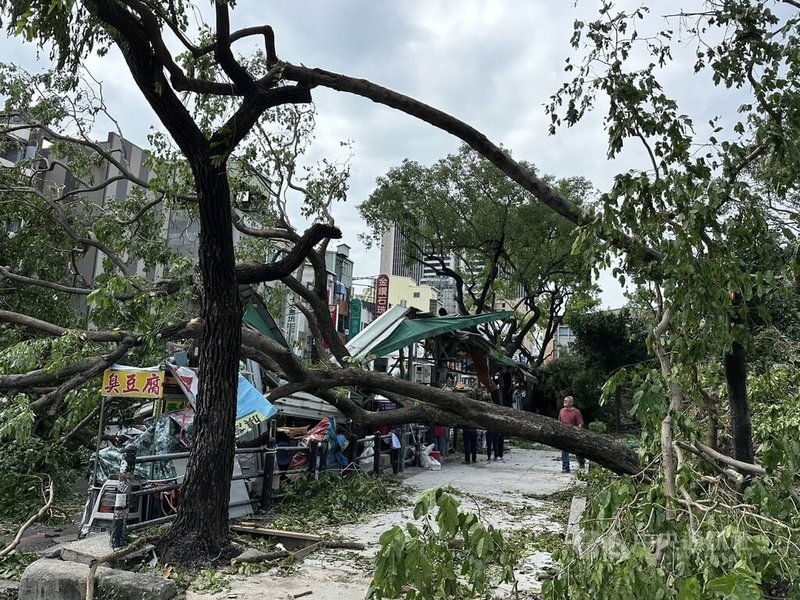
x,y
667,237
422,403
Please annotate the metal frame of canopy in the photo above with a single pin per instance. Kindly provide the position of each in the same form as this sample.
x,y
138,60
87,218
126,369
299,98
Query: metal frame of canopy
x,y
393,330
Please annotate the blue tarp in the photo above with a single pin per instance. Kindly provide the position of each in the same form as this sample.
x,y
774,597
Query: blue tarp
x,y
251,407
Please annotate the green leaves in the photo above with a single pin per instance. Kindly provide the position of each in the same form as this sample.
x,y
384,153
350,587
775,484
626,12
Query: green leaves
x,y
505,240
16,419
690,590
451,556
65,27
739,585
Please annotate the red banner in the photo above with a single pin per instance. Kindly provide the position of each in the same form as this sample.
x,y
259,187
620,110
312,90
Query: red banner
x,y
381,295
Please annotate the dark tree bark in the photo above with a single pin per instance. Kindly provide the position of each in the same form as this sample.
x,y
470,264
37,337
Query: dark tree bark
x,y
735,364
545,430
711,404
258,272
200,531
471,136
201,527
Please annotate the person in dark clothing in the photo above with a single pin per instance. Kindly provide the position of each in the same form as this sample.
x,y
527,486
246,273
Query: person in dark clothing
x,y
470,446
499,446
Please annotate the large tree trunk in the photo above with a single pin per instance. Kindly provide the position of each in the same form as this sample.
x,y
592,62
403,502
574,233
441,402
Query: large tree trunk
x,y
200,532
736,379
599,448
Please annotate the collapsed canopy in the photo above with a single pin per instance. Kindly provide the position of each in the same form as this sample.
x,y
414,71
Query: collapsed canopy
x,y
404,331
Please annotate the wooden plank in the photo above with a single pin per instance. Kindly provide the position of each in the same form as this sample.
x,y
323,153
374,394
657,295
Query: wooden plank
x,y
276,533
303,552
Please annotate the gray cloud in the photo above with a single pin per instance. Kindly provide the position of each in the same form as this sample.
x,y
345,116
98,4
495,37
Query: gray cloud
x,y
492,63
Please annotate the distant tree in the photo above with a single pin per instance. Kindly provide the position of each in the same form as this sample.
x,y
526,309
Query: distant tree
x,y
608,341
509,247
570,375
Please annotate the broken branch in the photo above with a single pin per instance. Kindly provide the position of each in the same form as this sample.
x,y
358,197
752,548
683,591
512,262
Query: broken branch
x,y
49,490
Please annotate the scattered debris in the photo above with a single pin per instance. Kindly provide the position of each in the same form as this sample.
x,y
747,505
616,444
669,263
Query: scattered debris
x,y
49,490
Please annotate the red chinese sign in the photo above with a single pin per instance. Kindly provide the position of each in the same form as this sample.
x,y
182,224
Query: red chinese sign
x,y
381,295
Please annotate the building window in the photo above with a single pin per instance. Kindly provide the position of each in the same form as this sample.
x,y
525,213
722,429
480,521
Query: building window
x,y
416,294
564,337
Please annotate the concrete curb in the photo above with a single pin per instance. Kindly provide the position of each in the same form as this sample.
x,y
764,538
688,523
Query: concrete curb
x,y
48,579
574,533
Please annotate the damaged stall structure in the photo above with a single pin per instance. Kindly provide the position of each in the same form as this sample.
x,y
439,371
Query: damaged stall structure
x,y
147,473
166,394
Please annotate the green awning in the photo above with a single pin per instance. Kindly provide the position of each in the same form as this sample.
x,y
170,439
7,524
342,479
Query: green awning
x,y
414,330
264,324
500,358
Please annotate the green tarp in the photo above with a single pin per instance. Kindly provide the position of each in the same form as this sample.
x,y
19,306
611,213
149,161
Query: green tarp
x,y
414,330
257,320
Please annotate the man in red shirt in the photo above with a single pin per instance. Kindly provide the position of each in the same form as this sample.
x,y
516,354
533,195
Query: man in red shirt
x,y
570,416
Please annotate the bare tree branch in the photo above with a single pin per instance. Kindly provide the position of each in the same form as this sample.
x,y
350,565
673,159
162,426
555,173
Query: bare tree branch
x,y
140,213
53,400
5,272
471,136
274,233
43,377
83,423
614,456
55,330
711,454
315,331
49,491
228,136
265,30
222,51
258,272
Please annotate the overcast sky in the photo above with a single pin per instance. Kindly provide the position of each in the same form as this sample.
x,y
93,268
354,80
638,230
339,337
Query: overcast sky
x,y
491,63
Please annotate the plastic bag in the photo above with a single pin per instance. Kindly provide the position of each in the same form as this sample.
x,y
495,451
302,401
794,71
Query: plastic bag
x,y
425,460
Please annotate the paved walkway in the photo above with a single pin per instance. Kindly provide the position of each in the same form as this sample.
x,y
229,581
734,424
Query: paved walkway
x,y
334,575
534,472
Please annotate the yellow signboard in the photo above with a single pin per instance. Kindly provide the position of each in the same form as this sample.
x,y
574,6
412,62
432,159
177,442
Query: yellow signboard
x,y
133,384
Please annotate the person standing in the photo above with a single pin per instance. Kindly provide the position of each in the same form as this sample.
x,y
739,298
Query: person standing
x,y
499,445
470,446
490,445
570,415
440,440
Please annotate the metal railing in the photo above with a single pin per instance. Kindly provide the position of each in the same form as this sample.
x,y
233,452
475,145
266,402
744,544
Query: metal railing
x,y
317,463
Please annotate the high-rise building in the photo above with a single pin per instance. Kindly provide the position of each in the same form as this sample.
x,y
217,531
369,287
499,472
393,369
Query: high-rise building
x,y
395,261
394,256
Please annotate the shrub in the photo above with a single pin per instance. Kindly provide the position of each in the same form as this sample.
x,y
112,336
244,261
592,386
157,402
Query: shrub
x,y
598,427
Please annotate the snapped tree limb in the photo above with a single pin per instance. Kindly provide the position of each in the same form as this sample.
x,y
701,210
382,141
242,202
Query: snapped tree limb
x,y
259,272
471,136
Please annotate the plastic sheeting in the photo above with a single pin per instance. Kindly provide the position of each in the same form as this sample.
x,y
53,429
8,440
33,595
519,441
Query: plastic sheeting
x,y
170,433
413,330
325,430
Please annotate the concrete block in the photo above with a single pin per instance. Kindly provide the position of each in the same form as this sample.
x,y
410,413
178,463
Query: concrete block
x,y
574,533
85,550
95,546
62,580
